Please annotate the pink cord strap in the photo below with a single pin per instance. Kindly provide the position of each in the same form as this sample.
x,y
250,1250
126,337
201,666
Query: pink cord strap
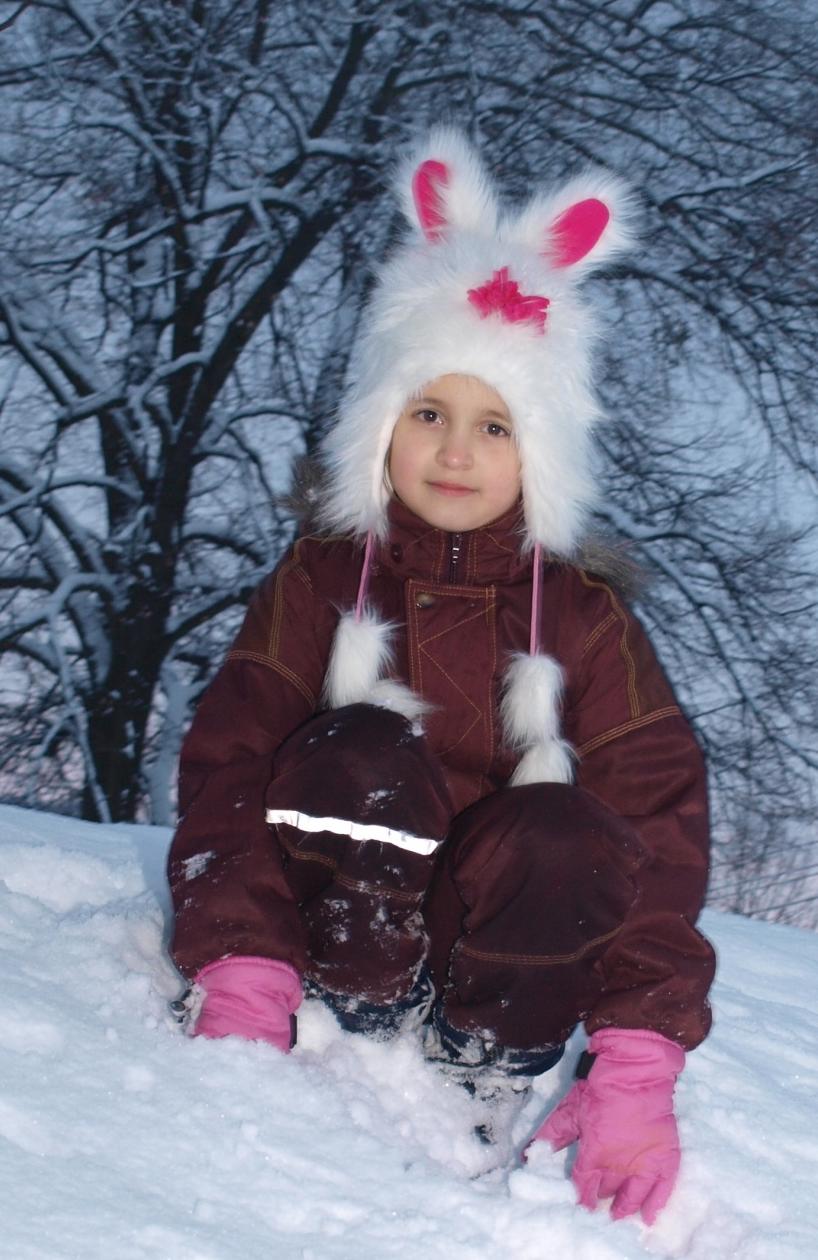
x,y
534,640
363,584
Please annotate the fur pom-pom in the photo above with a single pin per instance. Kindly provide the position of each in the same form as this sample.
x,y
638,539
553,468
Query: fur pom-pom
x,y
388,693
545,763
361,654
531,698
530,710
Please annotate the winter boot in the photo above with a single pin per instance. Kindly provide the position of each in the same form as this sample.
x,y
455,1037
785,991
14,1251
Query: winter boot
x,y
498,1078
383,1022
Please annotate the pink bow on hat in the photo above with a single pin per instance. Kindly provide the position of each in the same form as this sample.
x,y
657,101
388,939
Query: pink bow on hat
x,y
501,296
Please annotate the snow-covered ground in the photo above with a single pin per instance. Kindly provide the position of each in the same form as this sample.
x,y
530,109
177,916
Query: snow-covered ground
x,y
119,1138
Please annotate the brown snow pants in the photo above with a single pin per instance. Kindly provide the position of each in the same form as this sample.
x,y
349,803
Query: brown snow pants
x,y
510,904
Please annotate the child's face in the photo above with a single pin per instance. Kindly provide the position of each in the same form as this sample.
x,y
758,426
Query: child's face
x,y
453,458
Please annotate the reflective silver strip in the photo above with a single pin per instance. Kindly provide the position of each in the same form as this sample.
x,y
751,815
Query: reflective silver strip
x,y
355,831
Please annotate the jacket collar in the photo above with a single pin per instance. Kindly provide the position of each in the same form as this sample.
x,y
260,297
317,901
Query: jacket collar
x,y
418,550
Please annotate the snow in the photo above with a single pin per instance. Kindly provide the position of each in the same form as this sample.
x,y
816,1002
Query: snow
x,y
120,1137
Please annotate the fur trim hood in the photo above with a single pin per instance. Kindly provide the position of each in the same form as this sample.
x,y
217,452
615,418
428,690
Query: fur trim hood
x,y
474,291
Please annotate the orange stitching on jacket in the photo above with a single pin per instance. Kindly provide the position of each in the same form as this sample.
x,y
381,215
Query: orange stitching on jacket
x,y
416,647
304,576
491,608
283,670
499,545
597,632
448,588
415,544
647,719
472,592
477,710
415,680
323,539
278,601
624,646
357,885
452,591
303,854
539,960
422,647
272,638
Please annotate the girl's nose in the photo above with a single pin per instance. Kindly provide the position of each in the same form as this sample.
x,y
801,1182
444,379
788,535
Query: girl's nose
x,y
454,452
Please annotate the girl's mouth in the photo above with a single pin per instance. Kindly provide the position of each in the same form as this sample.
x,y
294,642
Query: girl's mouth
x,y
451,488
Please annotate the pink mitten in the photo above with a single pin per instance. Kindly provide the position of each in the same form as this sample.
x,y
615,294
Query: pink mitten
x,y
248,997
622,1116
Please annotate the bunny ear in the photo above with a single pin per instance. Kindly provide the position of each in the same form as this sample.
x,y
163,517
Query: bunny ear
x,y
580,227
443,185
428,184
577,231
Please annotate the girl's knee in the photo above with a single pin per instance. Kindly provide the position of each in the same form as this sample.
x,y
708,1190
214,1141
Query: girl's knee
x,y
357,731
366,764
539,826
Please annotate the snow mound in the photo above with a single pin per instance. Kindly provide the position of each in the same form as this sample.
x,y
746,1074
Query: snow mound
x,y
119,1137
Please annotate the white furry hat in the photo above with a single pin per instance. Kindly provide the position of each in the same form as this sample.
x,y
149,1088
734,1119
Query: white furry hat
x,y
495,297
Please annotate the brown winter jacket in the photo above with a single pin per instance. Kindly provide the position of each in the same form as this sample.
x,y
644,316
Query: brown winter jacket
x,y
460,612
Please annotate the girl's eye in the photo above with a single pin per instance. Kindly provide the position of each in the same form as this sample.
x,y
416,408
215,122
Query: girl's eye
x,y
497,430
428,415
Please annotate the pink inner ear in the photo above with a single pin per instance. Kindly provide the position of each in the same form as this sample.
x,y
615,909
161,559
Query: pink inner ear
x,y
577,231
427,186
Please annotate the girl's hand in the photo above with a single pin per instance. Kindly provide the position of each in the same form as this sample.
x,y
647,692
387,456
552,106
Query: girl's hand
x,y
622,1117
249,997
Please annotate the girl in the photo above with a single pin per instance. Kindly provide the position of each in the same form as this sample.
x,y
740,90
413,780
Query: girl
x,y
441,778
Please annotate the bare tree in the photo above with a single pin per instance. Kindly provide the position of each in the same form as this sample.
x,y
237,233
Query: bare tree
x,y
191,191
172,188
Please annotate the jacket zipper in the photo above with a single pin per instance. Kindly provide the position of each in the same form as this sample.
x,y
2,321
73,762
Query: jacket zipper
x,y
454,557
